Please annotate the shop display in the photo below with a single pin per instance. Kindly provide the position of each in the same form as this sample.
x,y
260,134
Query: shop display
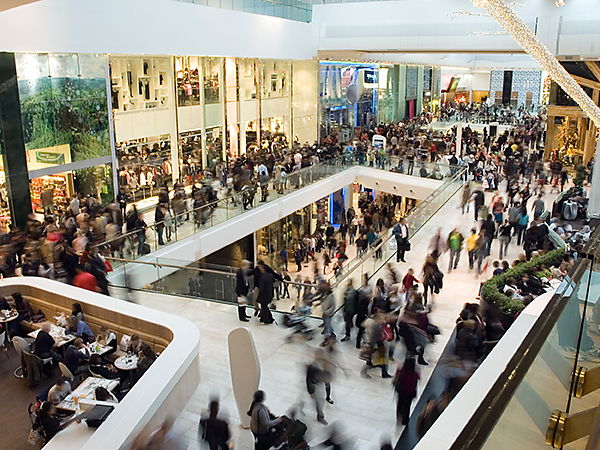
x,y
188,80
56,189
190,166
144,166
139,82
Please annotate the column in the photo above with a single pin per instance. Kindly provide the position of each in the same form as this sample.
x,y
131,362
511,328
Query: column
x,y
419,105
401,92
15,160
593,210
201,65
223,103
175,153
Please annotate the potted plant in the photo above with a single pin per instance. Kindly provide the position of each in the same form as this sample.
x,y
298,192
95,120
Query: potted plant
x,y
495,303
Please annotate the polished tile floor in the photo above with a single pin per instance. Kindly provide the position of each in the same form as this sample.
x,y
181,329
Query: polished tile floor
x,y
364,408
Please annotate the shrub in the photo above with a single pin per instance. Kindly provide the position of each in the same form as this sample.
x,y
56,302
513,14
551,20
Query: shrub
x,y
490,291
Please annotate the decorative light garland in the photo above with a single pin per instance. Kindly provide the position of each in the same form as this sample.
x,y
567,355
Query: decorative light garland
x,y
508,20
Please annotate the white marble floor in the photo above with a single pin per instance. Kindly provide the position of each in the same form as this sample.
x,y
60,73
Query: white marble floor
x,y
365,408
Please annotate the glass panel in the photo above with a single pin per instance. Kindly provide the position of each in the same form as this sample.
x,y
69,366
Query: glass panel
x,y
211,79
547,384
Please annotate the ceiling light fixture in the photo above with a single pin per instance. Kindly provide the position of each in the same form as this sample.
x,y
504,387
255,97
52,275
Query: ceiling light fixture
x,y
560,3
514,26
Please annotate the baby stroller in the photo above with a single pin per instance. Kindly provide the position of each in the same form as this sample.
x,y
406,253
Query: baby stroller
x,y
248,192
297,321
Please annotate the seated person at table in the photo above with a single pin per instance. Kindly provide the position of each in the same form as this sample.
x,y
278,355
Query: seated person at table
x,y
80,329
23,307
48,420
134,344
99,367
4,305
44,344
76,357
77,311
104,395
145,359
13,325
59,391
107,338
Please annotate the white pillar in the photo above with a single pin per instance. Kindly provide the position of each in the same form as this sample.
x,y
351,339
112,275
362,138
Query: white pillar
x,y
459,139
593,210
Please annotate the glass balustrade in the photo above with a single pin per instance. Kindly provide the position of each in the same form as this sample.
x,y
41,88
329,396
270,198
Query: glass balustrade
x,y
135,244
548,396
215,282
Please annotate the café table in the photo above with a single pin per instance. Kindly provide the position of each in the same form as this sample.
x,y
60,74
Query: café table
x,y
86,390
58,333
128,363
8,316
98,348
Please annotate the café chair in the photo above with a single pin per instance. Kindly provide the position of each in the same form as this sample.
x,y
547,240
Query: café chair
x,y
3,343
64,370
20,345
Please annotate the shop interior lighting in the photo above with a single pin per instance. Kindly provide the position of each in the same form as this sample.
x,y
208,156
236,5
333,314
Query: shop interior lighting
x,y
514,26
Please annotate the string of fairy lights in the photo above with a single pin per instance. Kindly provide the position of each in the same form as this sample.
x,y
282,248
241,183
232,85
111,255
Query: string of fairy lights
x,y
514,26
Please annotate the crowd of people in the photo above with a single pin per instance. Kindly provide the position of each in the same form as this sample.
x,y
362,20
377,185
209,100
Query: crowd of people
x,y
505,184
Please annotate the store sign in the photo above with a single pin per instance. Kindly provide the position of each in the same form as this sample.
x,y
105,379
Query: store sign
x,y
370,77
49,158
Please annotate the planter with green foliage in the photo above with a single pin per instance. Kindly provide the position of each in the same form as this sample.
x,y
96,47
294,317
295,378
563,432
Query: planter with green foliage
x,y
491,293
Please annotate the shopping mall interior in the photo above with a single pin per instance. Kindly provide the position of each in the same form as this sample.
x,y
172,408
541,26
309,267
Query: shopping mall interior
x,y
341,223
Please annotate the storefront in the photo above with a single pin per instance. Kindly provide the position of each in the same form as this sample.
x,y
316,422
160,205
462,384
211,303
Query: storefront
x,y
348,97
65,128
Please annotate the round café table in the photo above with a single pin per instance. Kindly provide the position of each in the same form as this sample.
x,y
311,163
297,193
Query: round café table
x,y
127,363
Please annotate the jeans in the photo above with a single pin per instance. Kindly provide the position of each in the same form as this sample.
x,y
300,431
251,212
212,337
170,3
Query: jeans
x,y
159,231
348,317
504,241
141,241
454,258
327,327
411,166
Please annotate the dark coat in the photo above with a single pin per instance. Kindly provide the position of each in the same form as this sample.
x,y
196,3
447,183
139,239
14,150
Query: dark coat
x,y
242,286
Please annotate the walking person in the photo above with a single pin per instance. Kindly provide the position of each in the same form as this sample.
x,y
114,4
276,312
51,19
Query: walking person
x,y
400,233
242,287
365,295
478,201
455,244
406,380
325,297
504,236
315,377
285,285
466,195
350,303
213,430
261,422
431,277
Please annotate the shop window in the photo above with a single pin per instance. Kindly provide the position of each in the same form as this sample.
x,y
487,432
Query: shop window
x,y
144,166
140,82
248,78
214,146
51,194
188,80
63,103
191,156
275,78
211,80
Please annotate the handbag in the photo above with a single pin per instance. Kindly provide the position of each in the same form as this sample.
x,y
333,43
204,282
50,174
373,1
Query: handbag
x,y
386,333
366,350
34,436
